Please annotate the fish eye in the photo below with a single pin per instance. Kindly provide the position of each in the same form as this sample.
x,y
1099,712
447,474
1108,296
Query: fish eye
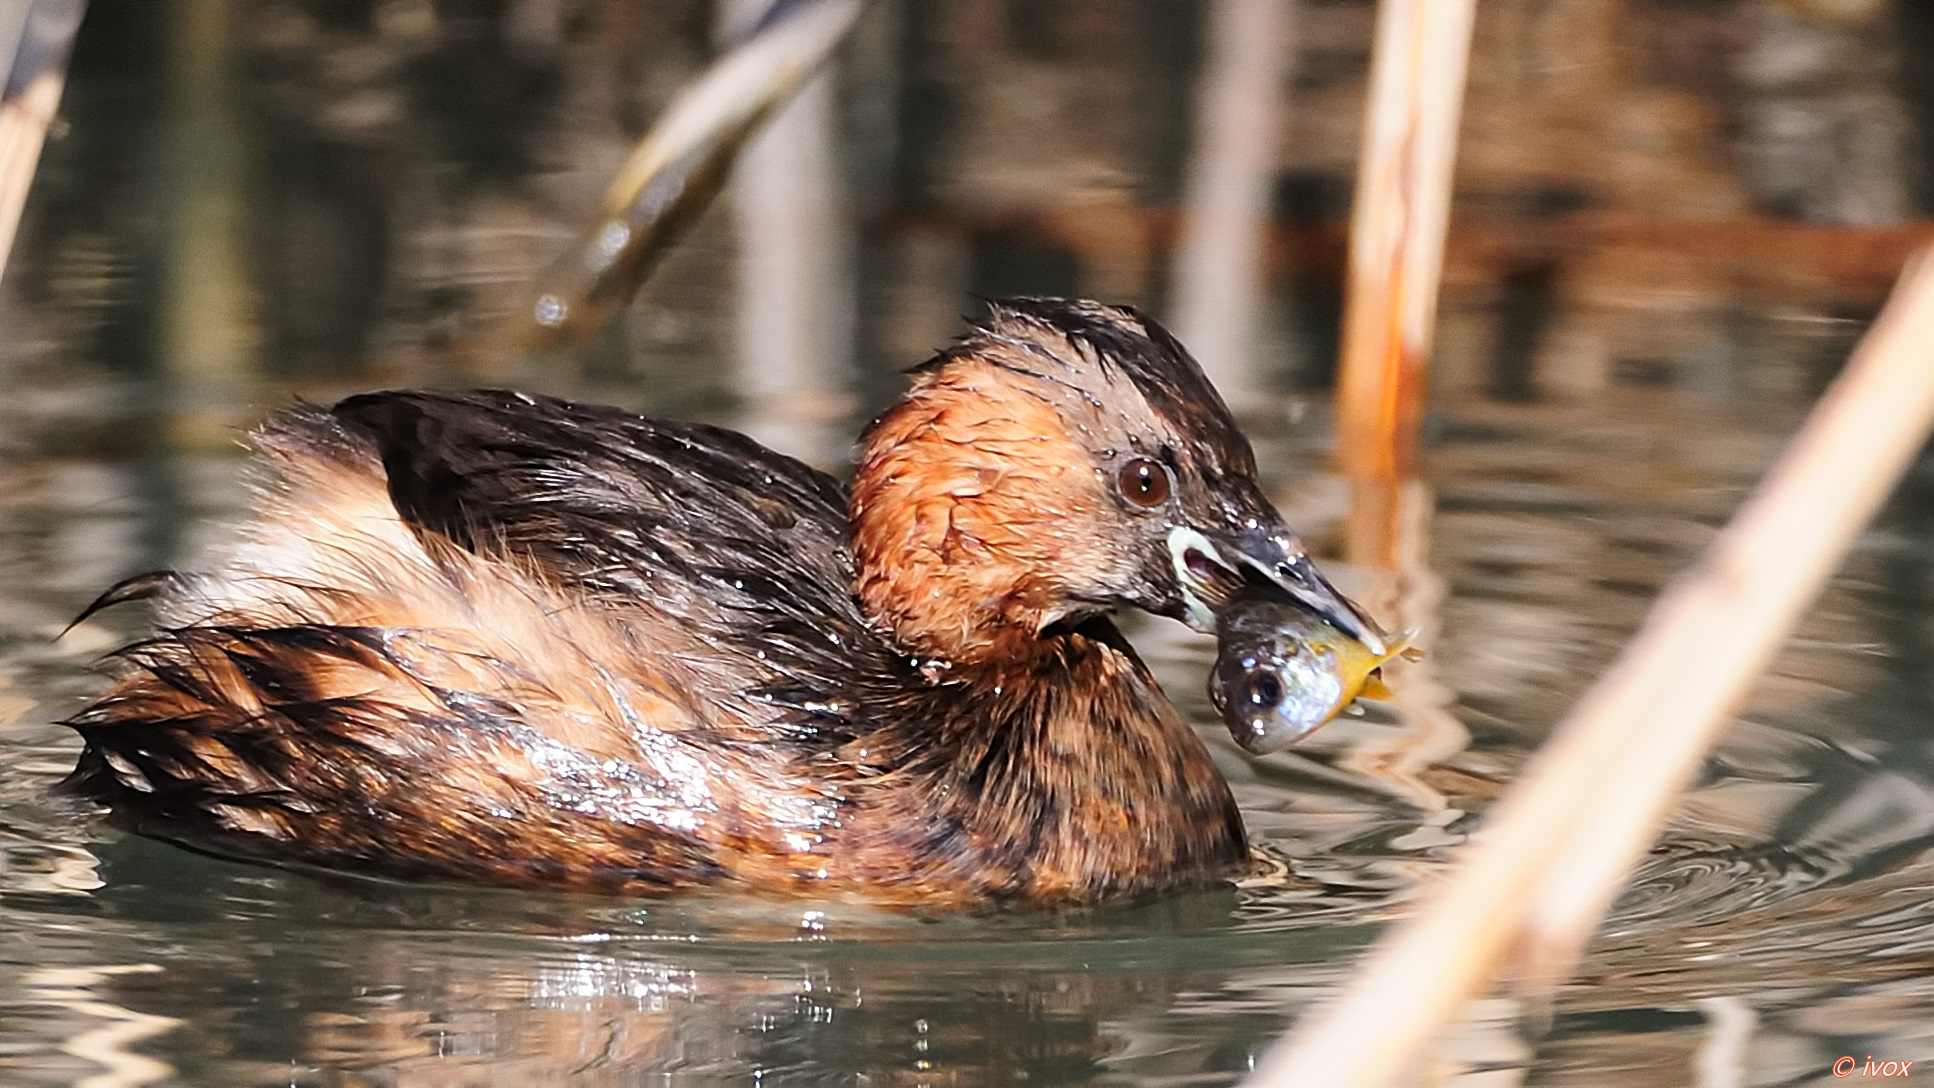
x,y
1145,482
1262,689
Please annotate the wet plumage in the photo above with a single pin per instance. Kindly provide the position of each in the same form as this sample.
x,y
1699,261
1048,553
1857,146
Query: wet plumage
x,y
495,636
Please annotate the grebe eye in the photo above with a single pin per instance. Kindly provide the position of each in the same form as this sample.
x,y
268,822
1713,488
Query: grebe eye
x,y
1144,482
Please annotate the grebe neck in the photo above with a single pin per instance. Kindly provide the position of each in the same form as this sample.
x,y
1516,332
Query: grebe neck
x,y
963,520
1072,778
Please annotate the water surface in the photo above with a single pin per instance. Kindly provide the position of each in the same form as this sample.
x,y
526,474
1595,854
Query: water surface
x,y
249,203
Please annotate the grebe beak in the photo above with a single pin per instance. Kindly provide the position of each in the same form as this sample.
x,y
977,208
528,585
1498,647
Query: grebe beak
x,y
1209,573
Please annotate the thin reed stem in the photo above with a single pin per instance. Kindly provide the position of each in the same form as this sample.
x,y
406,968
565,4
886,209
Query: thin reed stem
x,y
1561,842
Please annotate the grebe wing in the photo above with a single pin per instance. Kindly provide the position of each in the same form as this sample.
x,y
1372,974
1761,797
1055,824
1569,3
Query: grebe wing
x,y
686,516
744,547
488,633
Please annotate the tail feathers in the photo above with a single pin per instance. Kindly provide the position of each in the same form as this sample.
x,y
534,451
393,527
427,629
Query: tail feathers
x,y
140,587
307,743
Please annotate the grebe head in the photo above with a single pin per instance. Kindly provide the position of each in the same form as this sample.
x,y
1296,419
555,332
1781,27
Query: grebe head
x,y
1063,459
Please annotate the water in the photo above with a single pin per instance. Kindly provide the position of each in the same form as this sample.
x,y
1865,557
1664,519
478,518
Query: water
x,y
1626,341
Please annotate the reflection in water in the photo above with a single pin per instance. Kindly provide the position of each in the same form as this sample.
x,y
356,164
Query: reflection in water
x,y
1409,596
73,990
794,290
602,1018
333,978
1628,335
1215,297
208,332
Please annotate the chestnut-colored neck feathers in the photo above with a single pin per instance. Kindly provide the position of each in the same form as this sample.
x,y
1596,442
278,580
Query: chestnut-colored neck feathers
x,y
1067,778
968,504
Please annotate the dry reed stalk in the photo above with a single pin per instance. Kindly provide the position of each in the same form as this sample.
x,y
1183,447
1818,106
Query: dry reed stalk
x,y
1396,259
23,127
1560,843
32,79
675,171
1397,227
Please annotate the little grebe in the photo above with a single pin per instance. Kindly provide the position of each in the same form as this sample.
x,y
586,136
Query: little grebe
x,y
494,636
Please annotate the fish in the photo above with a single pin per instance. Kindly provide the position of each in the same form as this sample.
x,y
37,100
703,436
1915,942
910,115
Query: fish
x,y
1282,671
